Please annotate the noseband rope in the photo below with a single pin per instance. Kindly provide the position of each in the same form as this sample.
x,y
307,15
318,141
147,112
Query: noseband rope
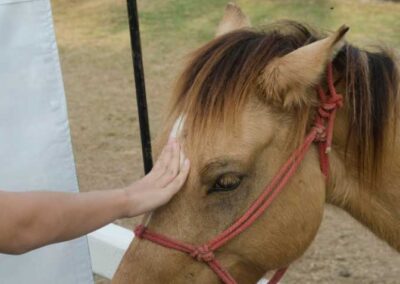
x,y
321,132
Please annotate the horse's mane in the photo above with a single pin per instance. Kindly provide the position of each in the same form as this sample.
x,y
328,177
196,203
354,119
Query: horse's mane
x,y
216,82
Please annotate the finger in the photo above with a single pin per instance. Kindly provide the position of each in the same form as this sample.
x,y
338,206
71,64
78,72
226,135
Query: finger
x,y
174,165
174,186
182,158
162,161
157,164
172,168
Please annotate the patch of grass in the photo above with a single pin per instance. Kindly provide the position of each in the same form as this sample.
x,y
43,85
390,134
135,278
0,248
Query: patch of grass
x,y
313,12
182,19
168,24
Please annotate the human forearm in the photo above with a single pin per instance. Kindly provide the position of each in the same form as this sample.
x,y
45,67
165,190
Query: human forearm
x,y
42,218
29,220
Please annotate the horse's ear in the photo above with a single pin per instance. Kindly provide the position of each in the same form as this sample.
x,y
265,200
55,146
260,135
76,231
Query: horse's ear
x,y
233,19
287,77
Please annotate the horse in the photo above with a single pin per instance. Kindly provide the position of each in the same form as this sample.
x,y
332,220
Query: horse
x,y
244,102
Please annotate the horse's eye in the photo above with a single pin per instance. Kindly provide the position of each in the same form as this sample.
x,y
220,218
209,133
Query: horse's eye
x,y
226,182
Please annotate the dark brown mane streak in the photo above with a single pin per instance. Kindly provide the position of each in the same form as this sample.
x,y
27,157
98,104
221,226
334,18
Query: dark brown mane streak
x,y
372,88
219,77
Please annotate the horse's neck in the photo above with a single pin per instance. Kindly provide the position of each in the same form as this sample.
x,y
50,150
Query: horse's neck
x,y
377,208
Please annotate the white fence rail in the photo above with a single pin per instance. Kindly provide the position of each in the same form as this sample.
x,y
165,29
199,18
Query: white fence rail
x,y
107,245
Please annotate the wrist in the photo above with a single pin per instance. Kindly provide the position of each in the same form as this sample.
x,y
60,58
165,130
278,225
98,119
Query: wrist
x,y
130,203
123,201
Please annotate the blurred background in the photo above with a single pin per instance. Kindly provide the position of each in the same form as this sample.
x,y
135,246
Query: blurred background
x,y
93,40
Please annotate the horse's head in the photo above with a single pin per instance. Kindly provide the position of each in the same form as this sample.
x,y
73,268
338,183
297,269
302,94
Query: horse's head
x,y
246,98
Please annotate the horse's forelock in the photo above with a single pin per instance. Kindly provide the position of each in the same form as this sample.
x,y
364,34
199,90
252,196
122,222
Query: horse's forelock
x,y
220,76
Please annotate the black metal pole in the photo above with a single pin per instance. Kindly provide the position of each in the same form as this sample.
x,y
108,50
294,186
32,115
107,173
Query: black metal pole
x,y
140,85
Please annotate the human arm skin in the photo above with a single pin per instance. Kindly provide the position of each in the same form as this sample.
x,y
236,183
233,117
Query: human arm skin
x,y
29,220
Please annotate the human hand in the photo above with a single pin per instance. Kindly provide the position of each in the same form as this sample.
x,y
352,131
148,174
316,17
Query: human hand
x,y
161,184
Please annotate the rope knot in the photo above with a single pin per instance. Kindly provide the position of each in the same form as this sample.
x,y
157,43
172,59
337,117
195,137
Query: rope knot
x,y
329,104
332,103
321,134
203,253
139,231
326,116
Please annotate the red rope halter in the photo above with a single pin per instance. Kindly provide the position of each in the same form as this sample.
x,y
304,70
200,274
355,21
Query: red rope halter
x,y
321,132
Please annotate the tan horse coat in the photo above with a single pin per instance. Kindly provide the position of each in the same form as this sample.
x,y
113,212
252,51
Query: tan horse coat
x,y
246,129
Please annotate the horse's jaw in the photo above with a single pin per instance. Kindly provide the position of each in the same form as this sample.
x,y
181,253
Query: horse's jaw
x,y
146,263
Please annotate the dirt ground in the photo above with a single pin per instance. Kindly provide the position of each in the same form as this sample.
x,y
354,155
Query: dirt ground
x,y
96,63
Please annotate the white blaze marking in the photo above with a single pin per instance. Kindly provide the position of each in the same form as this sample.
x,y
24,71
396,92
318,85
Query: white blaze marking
x,y
178,126
176,132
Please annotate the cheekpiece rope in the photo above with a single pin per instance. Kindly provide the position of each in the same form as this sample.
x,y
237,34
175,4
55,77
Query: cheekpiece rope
x,y
321,132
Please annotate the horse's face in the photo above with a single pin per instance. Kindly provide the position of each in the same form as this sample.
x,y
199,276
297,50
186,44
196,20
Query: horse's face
x,y
227,175
229,170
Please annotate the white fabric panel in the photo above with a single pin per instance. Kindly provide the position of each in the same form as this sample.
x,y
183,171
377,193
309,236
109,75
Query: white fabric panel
x,y
107,246
35,146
